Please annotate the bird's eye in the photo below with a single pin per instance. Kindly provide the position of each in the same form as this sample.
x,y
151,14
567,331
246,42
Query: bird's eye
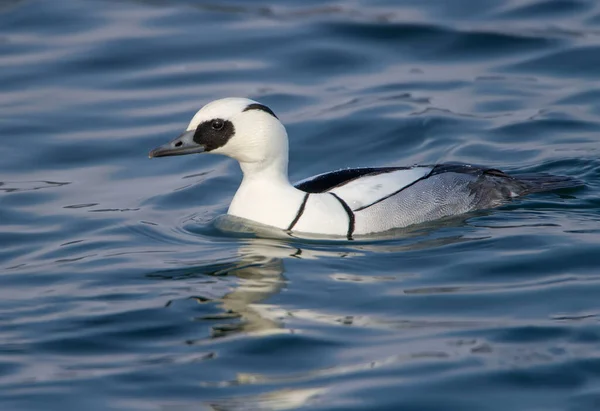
x,y
217,124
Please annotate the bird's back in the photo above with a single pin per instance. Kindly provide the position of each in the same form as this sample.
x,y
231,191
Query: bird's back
x,y
391,197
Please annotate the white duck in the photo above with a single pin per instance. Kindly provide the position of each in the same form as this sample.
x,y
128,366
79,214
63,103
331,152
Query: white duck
x,y
346,202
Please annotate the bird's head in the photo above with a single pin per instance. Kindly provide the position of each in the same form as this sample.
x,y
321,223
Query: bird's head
x,y
240,128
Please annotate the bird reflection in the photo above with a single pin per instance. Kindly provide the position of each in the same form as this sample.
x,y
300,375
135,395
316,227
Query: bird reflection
x,y
276,400
260,265
260,274
258,269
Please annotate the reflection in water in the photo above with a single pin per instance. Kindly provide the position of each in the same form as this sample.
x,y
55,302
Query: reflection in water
x,y
259,277
276,400
260,273
263,321
260,267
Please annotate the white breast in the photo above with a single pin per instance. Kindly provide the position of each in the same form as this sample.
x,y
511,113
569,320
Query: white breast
x,y
367,190
324,214
267,201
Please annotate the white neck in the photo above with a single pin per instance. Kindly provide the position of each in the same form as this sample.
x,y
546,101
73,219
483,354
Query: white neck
x,y
265,194
275,169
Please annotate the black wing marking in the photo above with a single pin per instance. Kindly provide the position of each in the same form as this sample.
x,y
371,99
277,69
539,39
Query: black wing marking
x,y
466,169
396,192
445,168
328,181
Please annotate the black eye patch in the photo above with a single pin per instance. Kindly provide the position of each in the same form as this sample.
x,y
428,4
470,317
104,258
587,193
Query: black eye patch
x,y
214,133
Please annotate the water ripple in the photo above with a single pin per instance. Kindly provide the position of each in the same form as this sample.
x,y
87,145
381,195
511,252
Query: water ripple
x,y
124,287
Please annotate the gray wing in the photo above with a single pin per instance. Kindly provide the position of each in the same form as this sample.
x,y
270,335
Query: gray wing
x,y
448,190
382,199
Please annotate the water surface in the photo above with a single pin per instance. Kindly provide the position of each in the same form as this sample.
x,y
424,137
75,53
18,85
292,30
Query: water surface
x,y
119,291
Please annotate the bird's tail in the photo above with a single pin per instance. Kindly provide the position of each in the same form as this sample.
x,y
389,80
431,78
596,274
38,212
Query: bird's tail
x,y
540,182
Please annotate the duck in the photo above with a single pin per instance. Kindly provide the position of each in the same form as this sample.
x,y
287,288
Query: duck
x,y
342,203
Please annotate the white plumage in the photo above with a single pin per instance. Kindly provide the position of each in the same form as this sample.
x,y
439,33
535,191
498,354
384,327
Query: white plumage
x,y
346,202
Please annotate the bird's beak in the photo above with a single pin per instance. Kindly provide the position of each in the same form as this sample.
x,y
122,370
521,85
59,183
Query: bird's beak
x,y
184,144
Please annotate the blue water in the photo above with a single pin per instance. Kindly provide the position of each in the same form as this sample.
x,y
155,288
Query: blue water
x,y
120,290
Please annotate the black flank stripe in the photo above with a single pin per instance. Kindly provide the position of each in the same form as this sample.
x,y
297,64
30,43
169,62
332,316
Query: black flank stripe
x,y
350,216
396,192
299,213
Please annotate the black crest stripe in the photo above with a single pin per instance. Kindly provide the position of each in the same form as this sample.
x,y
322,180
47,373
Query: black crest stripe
x,y
300,212
397,191
350,216
261,107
